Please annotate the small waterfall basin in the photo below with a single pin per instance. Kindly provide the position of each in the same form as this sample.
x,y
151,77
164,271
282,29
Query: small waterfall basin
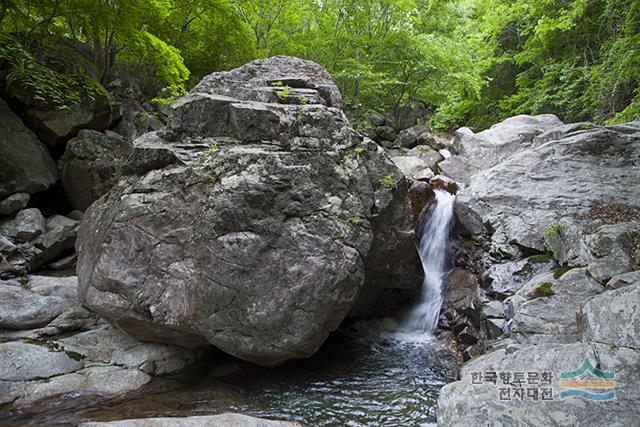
x,y
366,374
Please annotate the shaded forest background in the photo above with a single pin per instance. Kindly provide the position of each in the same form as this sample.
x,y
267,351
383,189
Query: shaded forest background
x,y
465,62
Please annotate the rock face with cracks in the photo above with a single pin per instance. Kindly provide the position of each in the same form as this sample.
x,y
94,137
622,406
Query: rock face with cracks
x,y
256,222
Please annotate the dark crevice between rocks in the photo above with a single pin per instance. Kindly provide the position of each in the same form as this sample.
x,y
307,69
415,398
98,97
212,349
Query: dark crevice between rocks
x,y
52,201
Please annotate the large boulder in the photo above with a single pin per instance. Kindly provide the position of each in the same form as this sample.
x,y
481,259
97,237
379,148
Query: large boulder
x,y
255,223
492,146
25,163
482,150
55,126
90,165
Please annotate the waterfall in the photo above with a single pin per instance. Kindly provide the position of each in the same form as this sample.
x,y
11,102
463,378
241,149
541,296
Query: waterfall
x,y
432,248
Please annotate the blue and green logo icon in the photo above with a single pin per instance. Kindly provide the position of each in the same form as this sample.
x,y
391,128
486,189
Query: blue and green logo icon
x,y
588,382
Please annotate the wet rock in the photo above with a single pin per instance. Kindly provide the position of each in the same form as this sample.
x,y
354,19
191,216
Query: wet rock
x,y
14,203
424,175
256,226
460,292
613,317
90,165
421,194
463,402
460,310
25,163
223,420
440,182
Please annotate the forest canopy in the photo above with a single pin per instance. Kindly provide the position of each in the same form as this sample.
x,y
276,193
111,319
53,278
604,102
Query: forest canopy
x,y
466,62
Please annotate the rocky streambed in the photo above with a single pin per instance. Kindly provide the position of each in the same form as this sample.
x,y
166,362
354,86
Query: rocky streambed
x,y
224,263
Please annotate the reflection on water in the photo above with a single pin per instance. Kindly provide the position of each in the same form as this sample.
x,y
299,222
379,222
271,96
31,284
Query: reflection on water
x,y
363,376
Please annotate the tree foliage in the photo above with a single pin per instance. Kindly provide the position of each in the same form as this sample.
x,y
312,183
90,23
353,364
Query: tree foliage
x,y
467,62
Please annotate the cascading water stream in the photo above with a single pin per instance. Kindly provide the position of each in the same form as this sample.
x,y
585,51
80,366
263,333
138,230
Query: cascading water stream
x,y
432,248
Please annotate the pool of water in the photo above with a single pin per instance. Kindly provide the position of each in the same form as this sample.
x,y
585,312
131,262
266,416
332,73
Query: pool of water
x,y
365,375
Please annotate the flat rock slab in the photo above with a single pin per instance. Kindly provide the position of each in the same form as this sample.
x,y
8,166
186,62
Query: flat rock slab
x,y
23,362
223,420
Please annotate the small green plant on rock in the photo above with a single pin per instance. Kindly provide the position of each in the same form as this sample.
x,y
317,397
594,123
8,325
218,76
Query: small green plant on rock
x,y
552,230
354,221
387,181
74,355
304,100
551,235
208,155
283,93
544,290
210,176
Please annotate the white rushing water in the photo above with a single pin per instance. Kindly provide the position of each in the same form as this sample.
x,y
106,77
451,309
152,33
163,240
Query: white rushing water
x,y
432,247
